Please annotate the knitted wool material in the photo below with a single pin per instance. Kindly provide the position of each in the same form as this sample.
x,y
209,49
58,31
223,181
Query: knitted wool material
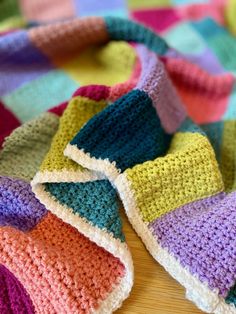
x,y
84,198
19,147
162,12
48,242
18,165
13,296
69,273
13,123
176,179
51,82
187,177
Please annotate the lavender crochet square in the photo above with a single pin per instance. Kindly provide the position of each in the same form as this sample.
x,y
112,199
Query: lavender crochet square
x,y
18,206
201,235
20,61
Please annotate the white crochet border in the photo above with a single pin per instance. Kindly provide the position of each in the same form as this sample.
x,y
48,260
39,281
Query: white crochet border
x,y
102,238
68,176
99,165
207,300
196,291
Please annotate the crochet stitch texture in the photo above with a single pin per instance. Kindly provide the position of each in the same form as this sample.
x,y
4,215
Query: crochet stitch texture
x,y
143,142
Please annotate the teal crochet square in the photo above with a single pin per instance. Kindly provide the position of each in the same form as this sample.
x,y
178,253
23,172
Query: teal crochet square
x,y
33,98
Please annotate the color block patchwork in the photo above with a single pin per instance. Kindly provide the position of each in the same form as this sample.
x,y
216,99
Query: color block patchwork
x,y
219,40
101,210
17,159
207,61
76,34
82,198
191,41
20,57
177,178
53,243
185,234
200,266
109,65
207,28
111,139
56,85
205,96
77,113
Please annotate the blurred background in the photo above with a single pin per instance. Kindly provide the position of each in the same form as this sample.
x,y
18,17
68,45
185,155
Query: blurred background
x,y
203,33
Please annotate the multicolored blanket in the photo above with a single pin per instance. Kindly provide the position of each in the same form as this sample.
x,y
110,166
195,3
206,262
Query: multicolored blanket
x,y
102,112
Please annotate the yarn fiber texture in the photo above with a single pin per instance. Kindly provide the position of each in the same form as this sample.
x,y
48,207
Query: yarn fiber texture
x,y
48,241
13,295
159,141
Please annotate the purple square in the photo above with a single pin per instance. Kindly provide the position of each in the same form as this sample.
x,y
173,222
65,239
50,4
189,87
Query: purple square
x,y
20,61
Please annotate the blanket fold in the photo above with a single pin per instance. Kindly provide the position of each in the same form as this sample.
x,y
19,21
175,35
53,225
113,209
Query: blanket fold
x,y
65,175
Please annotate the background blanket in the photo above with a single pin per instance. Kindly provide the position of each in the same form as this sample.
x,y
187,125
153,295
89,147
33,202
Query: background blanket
x,y
37,82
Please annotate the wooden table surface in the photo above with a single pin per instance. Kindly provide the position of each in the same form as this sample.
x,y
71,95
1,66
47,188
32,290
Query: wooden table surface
x,y
154,290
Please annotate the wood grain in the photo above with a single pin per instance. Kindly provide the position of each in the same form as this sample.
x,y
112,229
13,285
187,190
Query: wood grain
x,y
154,290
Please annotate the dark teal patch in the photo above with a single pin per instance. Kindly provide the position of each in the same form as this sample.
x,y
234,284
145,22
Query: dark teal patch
x,y
231,297
207,28
128,132
123,29
96,201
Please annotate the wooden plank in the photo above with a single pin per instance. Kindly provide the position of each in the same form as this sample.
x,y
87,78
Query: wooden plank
x,y
154,290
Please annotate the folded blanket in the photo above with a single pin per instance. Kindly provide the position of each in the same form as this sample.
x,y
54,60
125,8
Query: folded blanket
x,y
175,178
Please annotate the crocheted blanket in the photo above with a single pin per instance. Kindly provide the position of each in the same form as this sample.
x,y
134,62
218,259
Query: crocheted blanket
x,y
154,134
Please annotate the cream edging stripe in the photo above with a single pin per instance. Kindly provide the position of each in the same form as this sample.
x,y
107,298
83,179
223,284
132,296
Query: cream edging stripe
x,y
57,176
103,166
